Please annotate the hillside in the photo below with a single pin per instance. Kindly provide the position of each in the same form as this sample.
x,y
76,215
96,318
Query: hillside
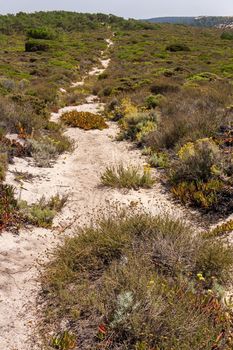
x,y
202,21
116,184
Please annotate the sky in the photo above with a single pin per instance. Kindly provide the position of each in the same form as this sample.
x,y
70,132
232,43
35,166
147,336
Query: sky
x,y
125,8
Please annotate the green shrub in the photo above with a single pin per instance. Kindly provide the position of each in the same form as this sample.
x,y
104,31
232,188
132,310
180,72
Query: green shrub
x,y
195,176
42,213
16,115
221,230
135,126
9,211
84,120
3,165
200,194
127,177
204,76
198,161
177,47
64,341
143,282
227,36
45,149
164,86
36,45
159,159
195,113
154,101
41,33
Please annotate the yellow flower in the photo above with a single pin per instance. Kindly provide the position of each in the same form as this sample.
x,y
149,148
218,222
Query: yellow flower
x,y
200,277
151,283
186,151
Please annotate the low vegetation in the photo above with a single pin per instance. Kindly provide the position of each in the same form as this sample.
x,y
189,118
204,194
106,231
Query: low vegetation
x,y
130,281
127,177
140,282
182,96
42,213
84,120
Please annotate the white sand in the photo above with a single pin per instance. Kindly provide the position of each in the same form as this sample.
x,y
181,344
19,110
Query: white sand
x,y
77,174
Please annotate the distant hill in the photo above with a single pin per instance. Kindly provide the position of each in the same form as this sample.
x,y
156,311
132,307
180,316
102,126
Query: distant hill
x,y
202,21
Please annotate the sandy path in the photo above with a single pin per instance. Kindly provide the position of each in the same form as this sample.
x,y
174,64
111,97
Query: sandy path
x,y
78,174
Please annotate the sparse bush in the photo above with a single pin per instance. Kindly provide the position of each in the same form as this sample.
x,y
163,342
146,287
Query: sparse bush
x,y
198,161
16,116
194,114
127,177
42,213
84,120
45,149
8,84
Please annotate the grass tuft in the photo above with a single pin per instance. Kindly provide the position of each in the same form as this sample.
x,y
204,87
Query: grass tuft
x,y
127,177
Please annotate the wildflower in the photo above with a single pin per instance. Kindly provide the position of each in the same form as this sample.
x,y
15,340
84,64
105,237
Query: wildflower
x,y
200,277
102,329
151,283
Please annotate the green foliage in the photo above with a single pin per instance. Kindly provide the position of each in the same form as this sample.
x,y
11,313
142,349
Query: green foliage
x,y
45,149
151,279
196,176
195,113
41,33
3,165
9,210
154,101
64,341
42,213
177,47
197,161
204,76
127,177
136,125
36,45
221,230
227,36
66,21
198,193
159,159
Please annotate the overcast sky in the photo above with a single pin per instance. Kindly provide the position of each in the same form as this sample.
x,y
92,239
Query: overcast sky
x,y
125,8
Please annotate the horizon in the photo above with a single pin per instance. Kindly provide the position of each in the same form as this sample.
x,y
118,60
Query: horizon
x,y
126,9
113,14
